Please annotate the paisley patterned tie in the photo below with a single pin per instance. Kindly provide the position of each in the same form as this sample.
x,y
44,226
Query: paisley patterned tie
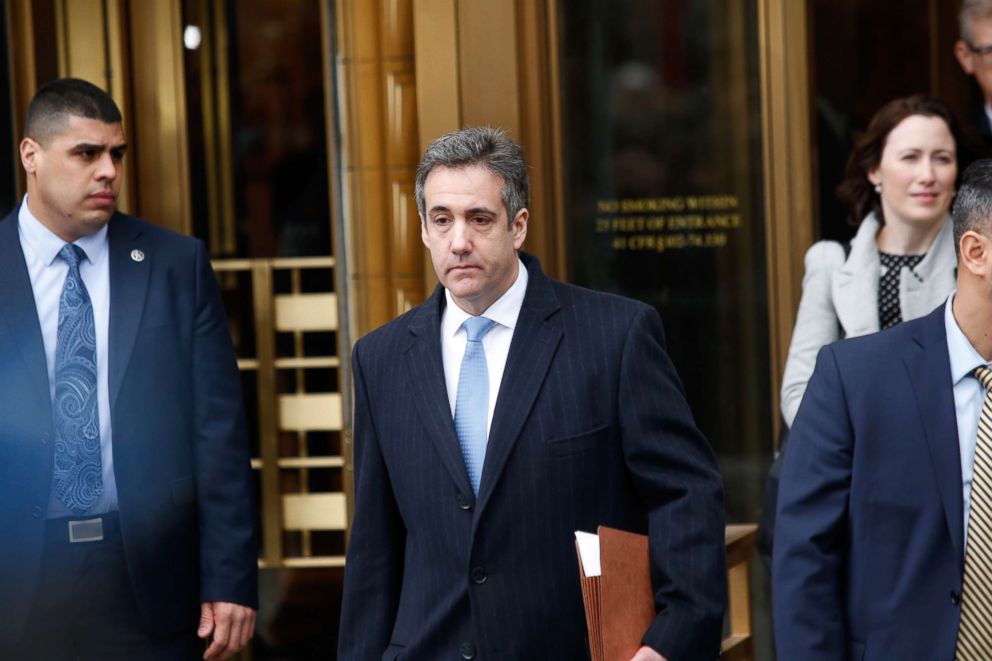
x,y
78,479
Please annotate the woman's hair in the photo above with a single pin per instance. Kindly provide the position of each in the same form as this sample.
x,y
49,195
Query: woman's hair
x,y
855,190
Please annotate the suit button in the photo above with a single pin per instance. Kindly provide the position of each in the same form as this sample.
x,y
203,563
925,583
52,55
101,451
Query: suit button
x,y
955,598
463,501
36,511
478,575
468,651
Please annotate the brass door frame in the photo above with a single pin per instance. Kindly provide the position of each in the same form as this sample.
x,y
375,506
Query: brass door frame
x,y
379,151
788,182
22,75
159,98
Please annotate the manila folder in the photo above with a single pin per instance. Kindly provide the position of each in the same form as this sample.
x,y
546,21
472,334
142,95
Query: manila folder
x,y
619,603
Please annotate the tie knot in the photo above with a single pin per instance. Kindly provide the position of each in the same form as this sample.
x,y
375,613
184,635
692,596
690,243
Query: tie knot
x,y
477,327
984,375
72,255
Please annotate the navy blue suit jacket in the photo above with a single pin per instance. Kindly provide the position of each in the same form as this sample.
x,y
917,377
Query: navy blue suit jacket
x,y
591,428
180,445
868,555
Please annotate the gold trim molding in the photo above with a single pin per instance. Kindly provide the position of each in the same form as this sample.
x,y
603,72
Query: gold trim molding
x,y
785,112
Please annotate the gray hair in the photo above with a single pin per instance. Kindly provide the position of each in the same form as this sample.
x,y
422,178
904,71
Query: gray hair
x,y
971,10
973,204
487,147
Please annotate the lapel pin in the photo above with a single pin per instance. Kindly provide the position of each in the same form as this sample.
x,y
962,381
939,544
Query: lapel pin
x,y
137,255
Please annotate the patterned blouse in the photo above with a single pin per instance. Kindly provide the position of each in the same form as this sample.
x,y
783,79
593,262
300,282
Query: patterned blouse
x,y
889,313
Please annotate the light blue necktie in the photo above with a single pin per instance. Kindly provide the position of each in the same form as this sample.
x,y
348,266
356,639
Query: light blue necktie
x,y
78,479
472,400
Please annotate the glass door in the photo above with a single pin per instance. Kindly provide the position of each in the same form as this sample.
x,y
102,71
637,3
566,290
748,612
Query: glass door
x,y
257,78
663,188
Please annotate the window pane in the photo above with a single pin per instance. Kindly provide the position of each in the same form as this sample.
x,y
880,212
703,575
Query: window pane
x,y
663,202
258,149
663,198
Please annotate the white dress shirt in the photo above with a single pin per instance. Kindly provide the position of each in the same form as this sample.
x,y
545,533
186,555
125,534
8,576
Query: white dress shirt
x,y
48,271
969,396
496,343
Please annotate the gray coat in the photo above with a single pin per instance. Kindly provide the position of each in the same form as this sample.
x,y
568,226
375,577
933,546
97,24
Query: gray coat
x,y
840,298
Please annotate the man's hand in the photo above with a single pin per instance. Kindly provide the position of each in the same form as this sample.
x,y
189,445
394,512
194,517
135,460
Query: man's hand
x,y
230,626
647,654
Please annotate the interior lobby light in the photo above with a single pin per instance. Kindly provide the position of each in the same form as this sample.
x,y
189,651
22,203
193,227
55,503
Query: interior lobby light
x,y
192,37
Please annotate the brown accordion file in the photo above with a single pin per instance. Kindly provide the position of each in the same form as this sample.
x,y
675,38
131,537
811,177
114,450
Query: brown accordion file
x,y
619,601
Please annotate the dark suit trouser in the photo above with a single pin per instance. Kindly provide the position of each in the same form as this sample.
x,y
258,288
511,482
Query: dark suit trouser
x,y
85,609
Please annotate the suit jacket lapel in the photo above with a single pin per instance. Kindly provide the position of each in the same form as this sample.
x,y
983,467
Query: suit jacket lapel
x,y
850,292
17,306
856,282
129,273
426,374
535,341
929,370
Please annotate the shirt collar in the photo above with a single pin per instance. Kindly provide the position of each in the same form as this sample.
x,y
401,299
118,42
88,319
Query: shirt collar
x,y
46,244
504,311
964,358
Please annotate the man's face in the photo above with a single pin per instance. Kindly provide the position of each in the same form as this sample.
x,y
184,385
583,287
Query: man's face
x,y
975,64
74,179
473,247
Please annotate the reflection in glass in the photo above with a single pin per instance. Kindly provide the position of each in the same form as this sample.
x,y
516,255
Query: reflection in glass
x,y
663,202
258,146
260,193
663,194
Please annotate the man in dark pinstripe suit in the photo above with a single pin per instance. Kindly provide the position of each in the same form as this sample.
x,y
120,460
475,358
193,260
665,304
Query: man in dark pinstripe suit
x,y
586,425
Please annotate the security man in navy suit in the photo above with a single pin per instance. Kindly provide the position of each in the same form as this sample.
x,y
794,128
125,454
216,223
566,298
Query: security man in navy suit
x,y
495,420
882,542
126,513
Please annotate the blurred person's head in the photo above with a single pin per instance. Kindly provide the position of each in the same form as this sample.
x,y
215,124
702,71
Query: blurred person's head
x,y
974,47
973,204
904,167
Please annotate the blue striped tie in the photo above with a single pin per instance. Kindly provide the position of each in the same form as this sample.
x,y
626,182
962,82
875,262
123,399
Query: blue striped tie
x,y
472,400
78,478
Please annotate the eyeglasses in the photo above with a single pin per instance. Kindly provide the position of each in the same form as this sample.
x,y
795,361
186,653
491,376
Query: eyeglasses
x,y
981,51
